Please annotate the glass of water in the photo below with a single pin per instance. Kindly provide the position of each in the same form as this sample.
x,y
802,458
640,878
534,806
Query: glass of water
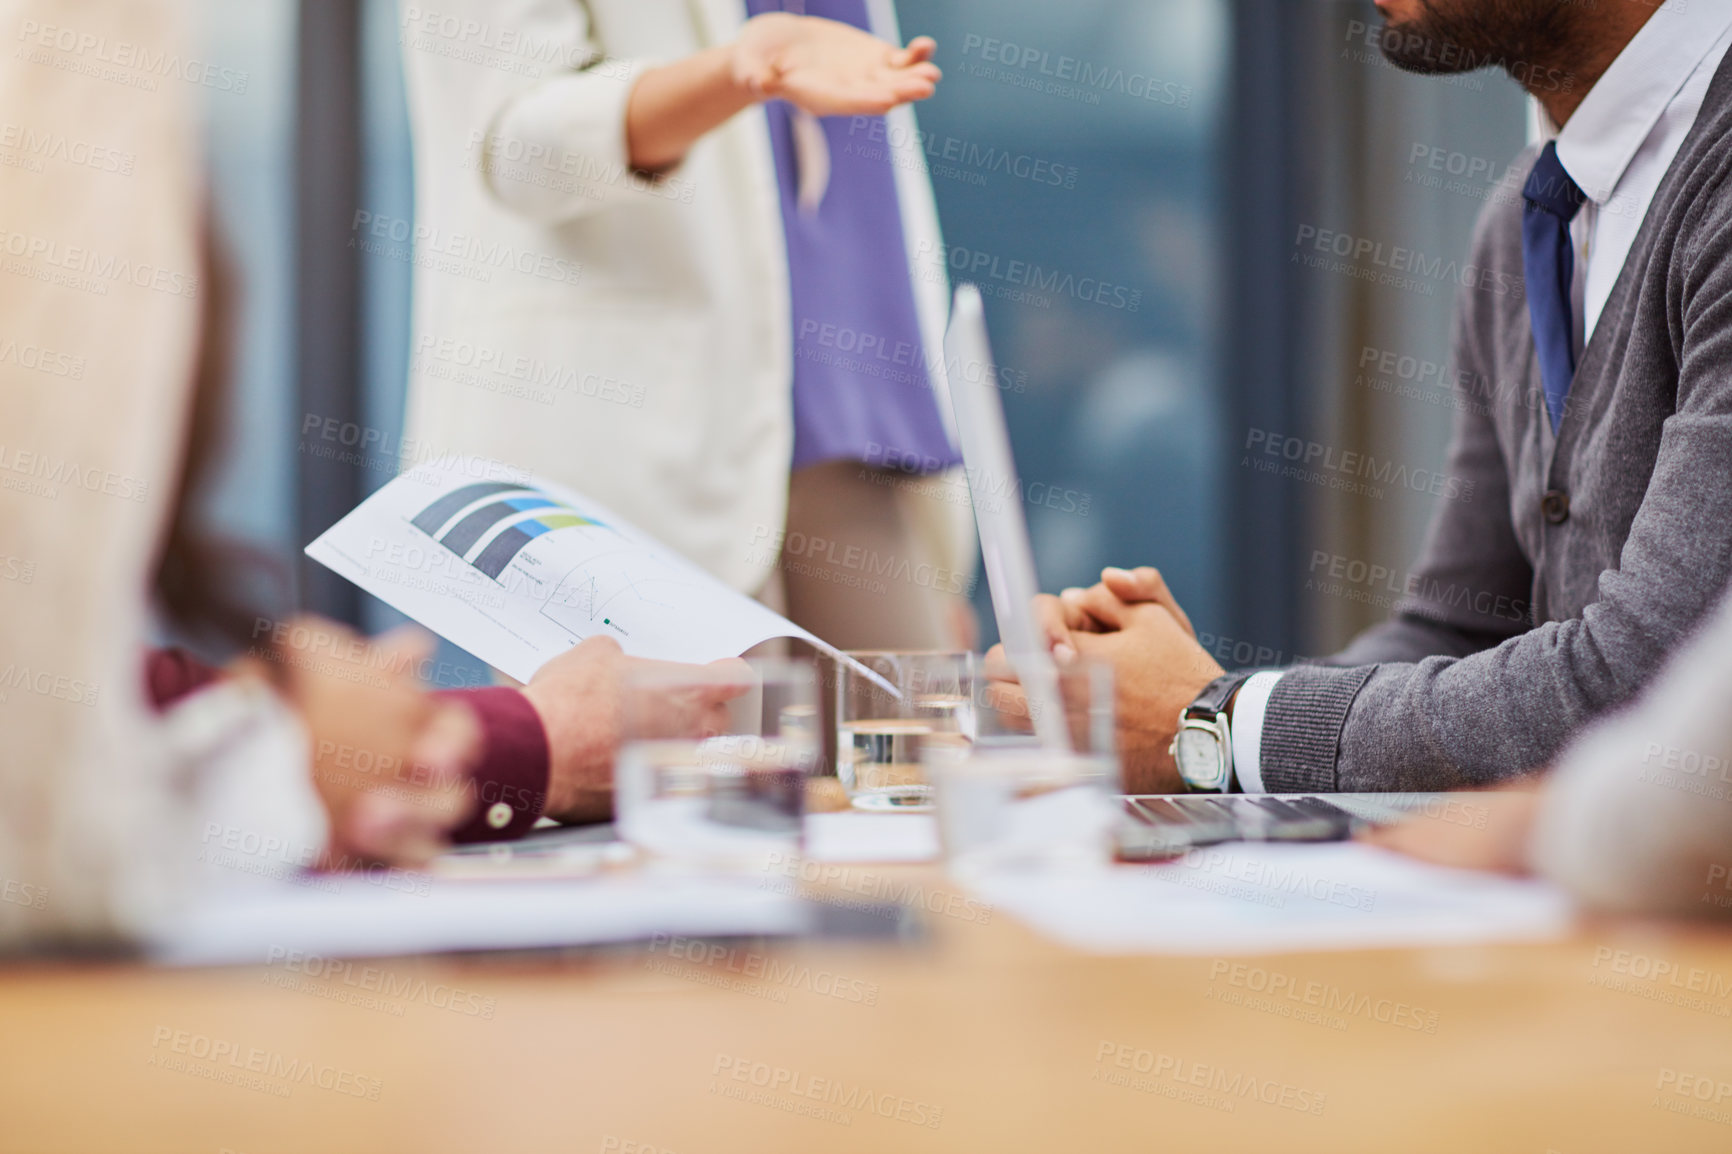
x,y
1011,800
886,721
713,762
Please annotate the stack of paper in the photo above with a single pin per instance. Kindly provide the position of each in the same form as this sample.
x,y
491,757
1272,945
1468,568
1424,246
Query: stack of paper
x,y
1245,898
413,913
871,837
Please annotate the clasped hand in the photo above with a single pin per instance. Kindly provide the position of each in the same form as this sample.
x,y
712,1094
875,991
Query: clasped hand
x,y
1131,621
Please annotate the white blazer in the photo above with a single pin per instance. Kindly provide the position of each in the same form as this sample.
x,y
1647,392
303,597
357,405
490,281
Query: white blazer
x,y
630,338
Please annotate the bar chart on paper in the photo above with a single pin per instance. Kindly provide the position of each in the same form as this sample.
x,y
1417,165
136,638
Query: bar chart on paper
x,y
519,570
490,525
459,529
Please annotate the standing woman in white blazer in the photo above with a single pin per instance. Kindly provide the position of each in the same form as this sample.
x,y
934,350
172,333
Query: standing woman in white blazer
x,y
647,269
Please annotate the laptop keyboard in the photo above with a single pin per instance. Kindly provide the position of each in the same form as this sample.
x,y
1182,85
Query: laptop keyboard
x,y
1206,819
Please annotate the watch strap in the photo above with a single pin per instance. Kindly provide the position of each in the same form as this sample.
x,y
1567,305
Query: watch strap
x,y
1215,696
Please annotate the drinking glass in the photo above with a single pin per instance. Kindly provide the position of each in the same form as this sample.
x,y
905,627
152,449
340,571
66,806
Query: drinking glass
x,y
1008,801
713,762
885,722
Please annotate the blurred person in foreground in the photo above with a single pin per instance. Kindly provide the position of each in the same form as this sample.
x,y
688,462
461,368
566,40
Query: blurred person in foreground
x,y
1591,529
1637,816
114,786
102,803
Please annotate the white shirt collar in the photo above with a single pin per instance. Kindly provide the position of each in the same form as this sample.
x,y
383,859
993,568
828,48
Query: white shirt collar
x,y
1621,110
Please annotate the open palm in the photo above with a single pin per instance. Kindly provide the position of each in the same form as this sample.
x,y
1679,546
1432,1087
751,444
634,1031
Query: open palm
x,y
832,69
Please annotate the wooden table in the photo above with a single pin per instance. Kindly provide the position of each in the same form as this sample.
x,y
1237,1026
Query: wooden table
x,y
994,1039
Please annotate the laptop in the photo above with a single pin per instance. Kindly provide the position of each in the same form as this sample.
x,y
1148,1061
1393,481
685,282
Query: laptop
x,y
1153,826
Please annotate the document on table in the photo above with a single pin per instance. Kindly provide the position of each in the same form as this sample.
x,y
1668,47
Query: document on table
x,y
517,570
395,913
882,838
1253,898
850,836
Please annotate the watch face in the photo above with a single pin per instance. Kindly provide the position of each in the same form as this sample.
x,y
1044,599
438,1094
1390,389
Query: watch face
x,y
1198,753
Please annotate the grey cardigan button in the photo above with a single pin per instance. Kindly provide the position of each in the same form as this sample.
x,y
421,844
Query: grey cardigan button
x,y
1555,506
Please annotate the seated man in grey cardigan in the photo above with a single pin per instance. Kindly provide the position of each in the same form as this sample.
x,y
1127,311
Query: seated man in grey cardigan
x,y
1602,490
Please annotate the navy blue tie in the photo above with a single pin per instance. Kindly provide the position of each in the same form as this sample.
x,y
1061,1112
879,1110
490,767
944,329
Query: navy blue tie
x,y
1549,268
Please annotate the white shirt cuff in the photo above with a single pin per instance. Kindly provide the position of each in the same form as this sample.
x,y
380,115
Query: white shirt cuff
x,y
1247,725
259,814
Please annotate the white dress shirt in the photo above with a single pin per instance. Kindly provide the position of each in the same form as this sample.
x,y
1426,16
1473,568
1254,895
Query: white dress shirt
x,y
1618,147
1623,138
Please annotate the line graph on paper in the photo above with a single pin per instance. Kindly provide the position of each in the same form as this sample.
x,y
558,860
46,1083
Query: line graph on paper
x,y
610,590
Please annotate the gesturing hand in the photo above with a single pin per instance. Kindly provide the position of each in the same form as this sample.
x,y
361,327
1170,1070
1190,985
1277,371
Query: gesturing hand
x,y
829,68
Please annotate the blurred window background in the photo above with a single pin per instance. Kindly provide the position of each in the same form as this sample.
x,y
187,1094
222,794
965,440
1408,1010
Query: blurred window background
x,y
1153,194
1101,265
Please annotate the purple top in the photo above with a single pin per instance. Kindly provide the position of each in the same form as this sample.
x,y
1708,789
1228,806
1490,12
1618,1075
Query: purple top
x,y
861,390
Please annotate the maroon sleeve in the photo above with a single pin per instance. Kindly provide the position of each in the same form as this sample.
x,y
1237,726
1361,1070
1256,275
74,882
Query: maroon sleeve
x,y
510,784
171,674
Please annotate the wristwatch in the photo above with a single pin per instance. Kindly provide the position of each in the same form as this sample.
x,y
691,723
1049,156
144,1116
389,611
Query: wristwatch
x,y
1203,746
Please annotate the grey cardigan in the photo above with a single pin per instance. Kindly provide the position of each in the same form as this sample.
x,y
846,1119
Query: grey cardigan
x,y
1614,538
